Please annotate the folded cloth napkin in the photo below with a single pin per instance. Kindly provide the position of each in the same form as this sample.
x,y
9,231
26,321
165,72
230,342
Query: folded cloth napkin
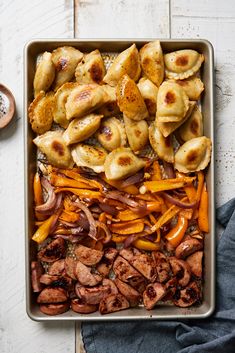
x,y
212,335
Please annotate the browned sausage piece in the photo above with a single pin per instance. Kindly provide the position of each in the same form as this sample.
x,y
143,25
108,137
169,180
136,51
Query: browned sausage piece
x,y
87,255
187,296
53,251
181,270
130,293
195,263
48,279
54,309
124,271
187,248
162,266
153,293
52,295
112,286
57,267
70,265
170,288
129,253
84,275
79,306
93,295
106,262
36,272
112,303
145,265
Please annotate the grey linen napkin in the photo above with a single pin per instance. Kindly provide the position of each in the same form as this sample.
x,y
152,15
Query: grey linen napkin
x,y
213,335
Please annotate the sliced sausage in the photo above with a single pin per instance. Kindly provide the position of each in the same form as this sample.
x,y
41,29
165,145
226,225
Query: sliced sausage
x,y
79,306
162,266
129,253
112,286
36,272
124,271
112,303
187,248
153,293
181,270
54,309
195,263
70,265
84,275
53,251
52,295
187,296
48,279
170,287
87,255
130,293
93,295
145,265
106,262
57,267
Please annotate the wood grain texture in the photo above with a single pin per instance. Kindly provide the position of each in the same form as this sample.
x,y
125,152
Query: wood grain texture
x,y
122,18
215,21
20,21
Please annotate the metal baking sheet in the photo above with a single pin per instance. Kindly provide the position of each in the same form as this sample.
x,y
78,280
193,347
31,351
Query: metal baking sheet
x,y
162,311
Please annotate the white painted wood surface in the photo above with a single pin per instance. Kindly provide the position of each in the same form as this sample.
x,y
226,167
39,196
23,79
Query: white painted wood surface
x,y
21,20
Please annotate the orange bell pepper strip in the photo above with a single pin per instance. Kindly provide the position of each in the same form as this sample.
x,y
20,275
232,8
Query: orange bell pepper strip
x,y
38,195
58,180
167,216
200,184
189,189
154,221
76,176
156,173
82,193
117,238
177,233
100,231
125,228
69,216
131,189
143,244
129,215
187,213
44,229
37,188
168,184
203,221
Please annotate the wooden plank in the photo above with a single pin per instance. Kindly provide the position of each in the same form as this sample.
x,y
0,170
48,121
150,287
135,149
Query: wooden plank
x,y
215,21
121,19
20,21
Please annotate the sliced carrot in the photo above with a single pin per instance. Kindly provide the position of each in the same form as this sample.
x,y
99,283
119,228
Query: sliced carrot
x,y
168,184
200,184
203,221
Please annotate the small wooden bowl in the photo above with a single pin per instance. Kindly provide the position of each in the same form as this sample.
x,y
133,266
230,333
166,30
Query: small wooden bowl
x,y
11,107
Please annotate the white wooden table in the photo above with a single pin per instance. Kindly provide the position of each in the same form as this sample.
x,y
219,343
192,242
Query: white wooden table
x,y
21,20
